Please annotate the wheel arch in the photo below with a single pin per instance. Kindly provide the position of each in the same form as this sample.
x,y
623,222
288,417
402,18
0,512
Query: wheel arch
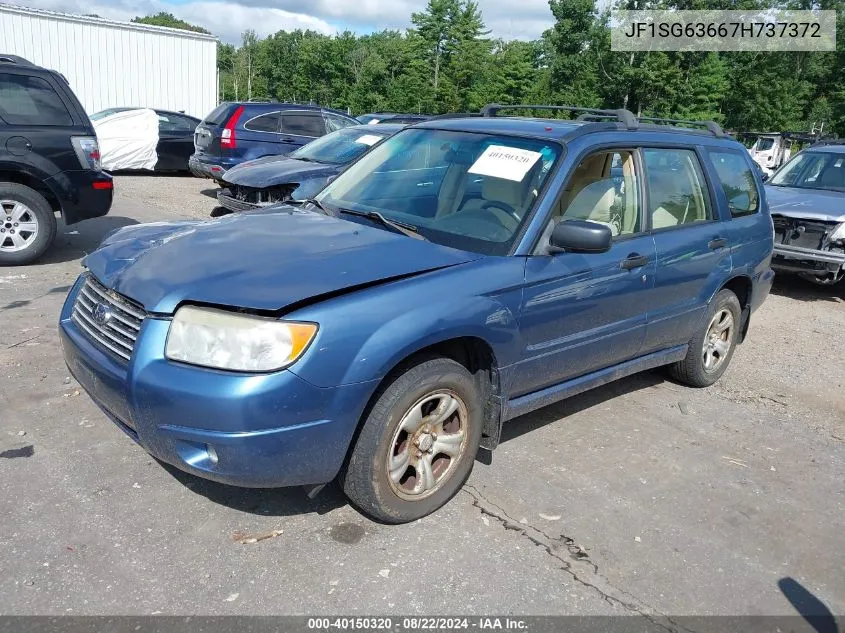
x,y
34,182
742,286
470,350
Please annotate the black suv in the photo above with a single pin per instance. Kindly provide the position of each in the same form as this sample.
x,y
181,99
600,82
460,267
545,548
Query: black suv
x,y
49,160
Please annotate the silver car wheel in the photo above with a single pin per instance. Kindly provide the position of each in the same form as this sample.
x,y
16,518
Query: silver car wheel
x,y
428,444
718,341
18,226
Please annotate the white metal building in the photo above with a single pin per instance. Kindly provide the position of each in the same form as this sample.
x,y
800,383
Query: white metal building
x,y
113,64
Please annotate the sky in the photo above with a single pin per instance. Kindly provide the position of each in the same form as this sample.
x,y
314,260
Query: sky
x,y
227,19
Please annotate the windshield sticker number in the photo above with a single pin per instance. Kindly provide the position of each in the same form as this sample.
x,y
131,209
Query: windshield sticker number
x,y
510,163
368,139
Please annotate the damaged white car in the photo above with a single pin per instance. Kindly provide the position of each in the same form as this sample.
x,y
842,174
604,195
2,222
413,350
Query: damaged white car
x,y
807,201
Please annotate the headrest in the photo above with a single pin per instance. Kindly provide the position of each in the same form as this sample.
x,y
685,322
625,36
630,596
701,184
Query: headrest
x,y
832,177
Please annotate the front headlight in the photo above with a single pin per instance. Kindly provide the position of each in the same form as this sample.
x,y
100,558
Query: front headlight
x,y
838,233
239,342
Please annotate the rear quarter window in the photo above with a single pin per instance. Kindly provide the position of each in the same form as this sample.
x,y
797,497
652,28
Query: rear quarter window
x,y
27,100
736,177
218,115
263,123
303,124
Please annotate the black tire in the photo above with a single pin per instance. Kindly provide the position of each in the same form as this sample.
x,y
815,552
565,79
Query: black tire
x,y
44,215
366,478
692,370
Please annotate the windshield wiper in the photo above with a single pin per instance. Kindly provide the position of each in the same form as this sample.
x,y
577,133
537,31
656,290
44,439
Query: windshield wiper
x,y
405,229
313,202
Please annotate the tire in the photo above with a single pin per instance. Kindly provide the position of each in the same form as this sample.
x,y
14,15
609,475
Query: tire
x,y
693,370
429,388
19,206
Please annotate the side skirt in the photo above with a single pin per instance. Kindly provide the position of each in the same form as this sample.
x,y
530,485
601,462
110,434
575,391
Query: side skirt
x,y
538,399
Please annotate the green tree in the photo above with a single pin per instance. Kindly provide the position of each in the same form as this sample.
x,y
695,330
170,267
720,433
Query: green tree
x,y
169,20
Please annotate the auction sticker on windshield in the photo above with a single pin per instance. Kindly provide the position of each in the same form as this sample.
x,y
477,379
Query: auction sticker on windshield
x,y
510,163
368,139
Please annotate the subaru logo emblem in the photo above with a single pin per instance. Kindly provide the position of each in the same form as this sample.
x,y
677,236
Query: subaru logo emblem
x,y
101,313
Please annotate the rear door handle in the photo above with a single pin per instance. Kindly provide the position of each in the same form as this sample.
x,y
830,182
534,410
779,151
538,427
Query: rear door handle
x,y
633,261
717,243
425,184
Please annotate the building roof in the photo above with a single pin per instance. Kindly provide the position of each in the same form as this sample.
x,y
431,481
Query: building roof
x,y
84,19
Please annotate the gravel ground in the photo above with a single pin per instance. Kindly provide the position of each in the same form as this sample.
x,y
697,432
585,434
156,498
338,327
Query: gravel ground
x,y
643,497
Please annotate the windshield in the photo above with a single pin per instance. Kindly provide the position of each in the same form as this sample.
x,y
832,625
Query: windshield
x,y
340,147
460,189
765,144
813,170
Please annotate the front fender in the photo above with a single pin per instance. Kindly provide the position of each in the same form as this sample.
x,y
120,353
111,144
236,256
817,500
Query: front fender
x,y
365,334
480,317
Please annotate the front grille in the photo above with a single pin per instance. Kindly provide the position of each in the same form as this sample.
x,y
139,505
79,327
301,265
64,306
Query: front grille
x,y
109,319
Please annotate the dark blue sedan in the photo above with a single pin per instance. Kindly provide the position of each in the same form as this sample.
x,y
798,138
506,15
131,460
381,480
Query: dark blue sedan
x,y
460,274
300,174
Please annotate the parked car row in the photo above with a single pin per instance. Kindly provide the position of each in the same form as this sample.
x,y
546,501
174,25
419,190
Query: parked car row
x,y
405,289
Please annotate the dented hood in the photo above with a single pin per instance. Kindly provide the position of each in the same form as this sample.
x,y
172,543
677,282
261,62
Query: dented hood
x,y
278,170
264,260
806,204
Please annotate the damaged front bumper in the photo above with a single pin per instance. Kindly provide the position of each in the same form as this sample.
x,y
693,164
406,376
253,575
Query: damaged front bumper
x,y
804,246
230,202
239,198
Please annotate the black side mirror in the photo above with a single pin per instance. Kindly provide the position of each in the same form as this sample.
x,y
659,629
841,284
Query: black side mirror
x,y
580,236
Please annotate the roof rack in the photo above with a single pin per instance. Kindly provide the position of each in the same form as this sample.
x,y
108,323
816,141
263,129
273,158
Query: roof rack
x,y
454,115
621,115
626,117
714,128
14,59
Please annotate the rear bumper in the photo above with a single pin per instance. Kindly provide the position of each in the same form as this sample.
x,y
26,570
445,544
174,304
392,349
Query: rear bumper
x,y
800,259
206,167
82,194
261,431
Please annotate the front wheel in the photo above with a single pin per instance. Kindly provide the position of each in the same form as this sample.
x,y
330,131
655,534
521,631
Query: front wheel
x,y
418,443
710,350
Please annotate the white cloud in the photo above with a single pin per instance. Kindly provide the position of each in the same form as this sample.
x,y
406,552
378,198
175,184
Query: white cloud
x,y
227,19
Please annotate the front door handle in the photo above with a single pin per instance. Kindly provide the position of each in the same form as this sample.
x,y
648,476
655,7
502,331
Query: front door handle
x,y
717,243
633,261
425,184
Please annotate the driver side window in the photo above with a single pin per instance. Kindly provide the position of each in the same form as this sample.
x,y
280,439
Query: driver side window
x,y
604,189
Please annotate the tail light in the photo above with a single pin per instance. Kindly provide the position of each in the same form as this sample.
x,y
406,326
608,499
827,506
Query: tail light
x,y
87,151
227,137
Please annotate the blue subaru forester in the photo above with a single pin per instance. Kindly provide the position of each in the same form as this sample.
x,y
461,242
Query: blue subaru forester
x,y
461,273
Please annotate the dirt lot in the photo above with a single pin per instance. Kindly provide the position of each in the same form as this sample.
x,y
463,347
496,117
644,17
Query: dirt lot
x,y
643,497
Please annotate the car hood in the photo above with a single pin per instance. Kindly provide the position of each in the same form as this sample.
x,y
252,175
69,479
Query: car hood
x,y
262,261
806,204
278,170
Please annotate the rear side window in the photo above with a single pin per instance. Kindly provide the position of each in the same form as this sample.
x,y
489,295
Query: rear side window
x,y
677,193
264,123
173,123
737,181
303,125
26,100
218,115
334,122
